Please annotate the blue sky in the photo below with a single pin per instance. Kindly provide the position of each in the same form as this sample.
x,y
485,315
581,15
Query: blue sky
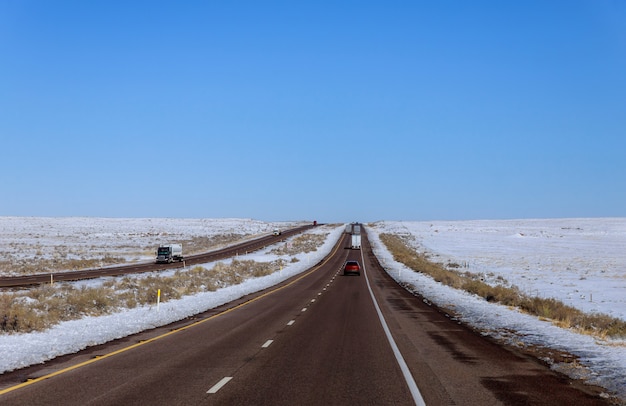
x,y
334,111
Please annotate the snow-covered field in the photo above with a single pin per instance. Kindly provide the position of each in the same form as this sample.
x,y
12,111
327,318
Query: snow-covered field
x,y
64,238
579,261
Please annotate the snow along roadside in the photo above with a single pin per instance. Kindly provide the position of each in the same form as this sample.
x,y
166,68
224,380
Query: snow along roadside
x,y
21,350
602,364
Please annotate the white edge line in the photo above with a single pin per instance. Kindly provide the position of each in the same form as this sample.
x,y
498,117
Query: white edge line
x,y
220,384
415,392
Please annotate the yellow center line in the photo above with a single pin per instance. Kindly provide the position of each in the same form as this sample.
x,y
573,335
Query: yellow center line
x,y
169,333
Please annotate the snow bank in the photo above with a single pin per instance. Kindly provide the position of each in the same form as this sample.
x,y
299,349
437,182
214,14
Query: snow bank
x,y
553,255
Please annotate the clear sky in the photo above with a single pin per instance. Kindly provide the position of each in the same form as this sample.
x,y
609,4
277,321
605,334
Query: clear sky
x,y
326,110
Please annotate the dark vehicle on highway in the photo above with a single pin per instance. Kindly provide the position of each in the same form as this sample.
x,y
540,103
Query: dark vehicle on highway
x,y
352,267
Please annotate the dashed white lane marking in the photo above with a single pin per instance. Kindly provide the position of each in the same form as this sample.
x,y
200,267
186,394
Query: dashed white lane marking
x,y
291,322
220,384
312,300
267,343
304,309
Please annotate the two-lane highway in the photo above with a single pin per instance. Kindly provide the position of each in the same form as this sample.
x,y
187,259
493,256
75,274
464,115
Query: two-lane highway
x,y
315,340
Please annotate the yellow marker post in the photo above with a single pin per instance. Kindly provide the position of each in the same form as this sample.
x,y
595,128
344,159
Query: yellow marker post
x,y
158,299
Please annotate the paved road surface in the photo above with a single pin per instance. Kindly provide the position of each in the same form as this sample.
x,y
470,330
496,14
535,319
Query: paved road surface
x,y
317,340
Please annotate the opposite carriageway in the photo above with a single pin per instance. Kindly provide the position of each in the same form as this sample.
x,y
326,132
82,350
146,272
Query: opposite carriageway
x,y
227,252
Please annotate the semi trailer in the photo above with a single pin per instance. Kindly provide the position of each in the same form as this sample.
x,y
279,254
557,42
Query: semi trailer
x,y
356,242
169,253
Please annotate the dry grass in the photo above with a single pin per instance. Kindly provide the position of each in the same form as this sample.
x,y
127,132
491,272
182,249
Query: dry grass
x,y
44,306
41,307
303,243
597,324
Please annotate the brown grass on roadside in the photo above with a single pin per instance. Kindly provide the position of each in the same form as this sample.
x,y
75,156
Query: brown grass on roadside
x,y
43,306
596,324
302,243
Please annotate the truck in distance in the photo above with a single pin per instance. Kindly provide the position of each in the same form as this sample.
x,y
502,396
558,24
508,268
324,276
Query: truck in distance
x,y
353,228
169,253
355,243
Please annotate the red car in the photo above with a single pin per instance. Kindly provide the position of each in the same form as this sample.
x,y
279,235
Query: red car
x,y
352,267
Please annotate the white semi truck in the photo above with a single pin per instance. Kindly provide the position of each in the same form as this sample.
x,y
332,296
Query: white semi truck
x,y
169,253
356,242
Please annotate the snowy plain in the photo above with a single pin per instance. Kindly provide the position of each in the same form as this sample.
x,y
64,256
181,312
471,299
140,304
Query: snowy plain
x,y
579,261
134,239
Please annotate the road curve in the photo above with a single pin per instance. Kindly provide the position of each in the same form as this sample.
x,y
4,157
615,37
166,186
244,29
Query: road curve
x,y
227,252
313,340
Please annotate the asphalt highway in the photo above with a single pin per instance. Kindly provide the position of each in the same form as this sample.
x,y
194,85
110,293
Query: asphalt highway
x,y
317,339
